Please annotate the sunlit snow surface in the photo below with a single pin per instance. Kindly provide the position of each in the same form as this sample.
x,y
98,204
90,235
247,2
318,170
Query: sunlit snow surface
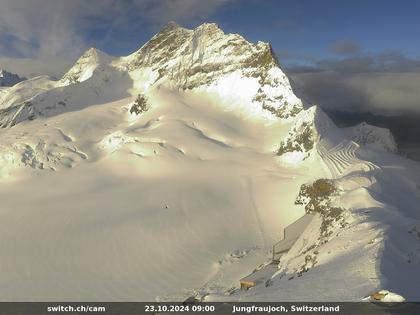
x,y
140,209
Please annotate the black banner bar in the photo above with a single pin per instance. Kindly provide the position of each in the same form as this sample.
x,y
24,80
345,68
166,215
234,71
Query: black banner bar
x,y
141,308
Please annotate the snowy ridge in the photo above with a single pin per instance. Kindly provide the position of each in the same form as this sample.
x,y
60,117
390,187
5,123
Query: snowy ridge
x,y
372,136
42,97
16,101
312,129
204,58
85,66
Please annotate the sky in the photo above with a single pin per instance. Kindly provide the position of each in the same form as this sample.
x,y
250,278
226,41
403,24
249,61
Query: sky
x,y
347,55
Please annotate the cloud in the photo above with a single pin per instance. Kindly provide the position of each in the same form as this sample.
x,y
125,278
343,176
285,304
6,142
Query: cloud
x,y
43,29
381,92
49,27
382,62
345,47
183,10
331,90
61,27
27,67
392,92
386,82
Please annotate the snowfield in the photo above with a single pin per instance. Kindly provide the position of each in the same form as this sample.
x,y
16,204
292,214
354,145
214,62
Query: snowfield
x,y
188,197
140,209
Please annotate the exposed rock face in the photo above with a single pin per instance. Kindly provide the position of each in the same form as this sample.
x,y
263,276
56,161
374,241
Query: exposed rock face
x,y
203,56
8,78
310,126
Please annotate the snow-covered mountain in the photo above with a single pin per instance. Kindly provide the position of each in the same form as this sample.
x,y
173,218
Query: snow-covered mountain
x,y
171,172
8,78
201,59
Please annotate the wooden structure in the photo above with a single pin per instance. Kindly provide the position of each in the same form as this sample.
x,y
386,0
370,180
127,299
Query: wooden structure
x,y
258,276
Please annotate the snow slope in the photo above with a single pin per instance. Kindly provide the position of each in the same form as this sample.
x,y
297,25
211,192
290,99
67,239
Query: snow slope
x,y
188,197
138,209
379,247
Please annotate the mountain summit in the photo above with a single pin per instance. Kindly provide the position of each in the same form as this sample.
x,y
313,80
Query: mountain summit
x,y
207,57
85,65
204,58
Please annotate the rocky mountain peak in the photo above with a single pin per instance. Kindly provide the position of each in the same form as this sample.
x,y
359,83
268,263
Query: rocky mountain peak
x,y
171,25
241,72
208,29
204,56
93,53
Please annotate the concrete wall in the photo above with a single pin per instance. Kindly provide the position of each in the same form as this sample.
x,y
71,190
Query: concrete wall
x,y
291,234
295,229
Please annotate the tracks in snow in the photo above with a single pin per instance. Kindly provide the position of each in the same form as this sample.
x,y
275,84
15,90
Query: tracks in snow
x,y
342,159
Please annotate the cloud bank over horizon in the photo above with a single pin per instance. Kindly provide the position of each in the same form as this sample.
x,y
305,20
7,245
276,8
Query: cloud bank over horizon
x,y
383,83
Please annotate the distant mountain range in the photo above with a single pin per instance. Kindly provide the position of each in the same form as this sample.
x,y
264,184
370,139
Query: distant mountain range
x,y
9,79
